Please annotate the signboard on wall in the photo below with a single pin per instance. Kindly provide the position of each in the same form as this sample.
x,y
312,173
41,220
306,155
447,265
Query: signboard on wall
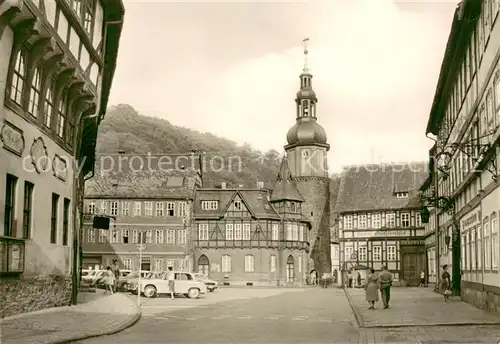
x,y
471,219
382,234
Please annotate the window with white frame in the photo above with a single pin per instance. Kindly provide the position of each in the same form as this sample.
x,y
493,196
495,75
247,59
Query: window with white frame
x,y
347,222
237,205
135,236
376,222
182,209
127,263
114,239
160,209
362,253
479,247
148,208
226,263
405,220
299,263
362,221
209,205
295,232
170,209
487,243
91,207
91,235
203,231
102,235
275,232
159,264
137,209
125,208
272,263
171,236
114,208
249,263
149,236
418,220
18,78
495,240
229,231
301,232
237,231
390,220
348,250
182,237
289,231
377,253
391,253
125,236
104,207
246,231
402,194
159,236
35,91
170,263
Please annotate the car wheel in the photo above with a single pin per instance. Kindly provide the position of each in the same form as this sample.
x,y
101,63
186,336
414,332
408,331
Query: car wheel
x,y
123,287
193,293
150,291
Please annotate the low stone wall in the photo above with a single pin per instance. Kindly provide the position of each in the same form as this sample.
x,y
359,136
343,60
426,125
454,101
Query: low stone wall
x,y
33,294
482,299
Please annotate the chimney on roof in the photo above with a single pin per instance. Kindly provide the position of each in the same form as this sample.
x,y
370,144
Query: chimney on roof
x,y
240,186
260,185
223,185
121,152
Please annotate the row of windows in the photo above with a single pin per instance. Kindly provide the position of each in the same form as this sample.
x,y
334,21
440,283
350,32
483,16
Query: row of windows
x,y
159,264
363,221
10,215
238,231
362,253
481,246
115,208
249,264
126,236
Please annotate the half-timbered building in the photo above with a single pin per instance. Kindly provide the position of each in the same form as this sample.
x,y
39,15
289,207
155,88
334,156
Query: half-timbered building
x,y
150,201
57,61
252,236
379,220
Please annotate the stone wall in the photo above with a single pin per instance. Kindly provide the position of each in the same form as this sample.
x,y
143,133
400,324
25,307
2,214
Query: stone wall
x,y
316,191
33,294
487,300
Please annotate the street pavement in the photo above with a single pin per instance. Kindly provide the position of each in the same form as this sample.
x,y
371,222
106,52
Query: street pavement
x,y
281,316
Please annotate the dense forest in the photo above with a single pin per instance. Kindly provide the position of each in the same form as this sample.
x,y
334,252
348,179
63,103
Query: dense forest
x,y
123,129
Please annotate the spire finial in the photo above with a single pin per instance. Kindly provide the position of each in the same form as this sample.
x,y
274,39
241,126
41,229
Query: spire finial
x,y
305,41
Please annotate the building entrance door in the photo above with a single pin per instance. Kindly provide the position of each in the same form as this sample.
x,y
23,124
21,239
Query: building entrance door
x,y
413,262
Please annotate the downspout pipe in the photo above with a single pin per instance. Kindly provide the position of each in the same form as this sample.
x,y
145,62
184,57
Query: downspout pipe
x,y
435,184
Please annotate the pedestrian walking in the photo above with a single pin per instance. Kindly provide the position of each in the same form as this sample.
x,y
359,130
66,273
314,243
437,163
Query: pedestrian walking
x,y
422,279
445,283
349,278
371,289
171,282
359,279
109,280
116,272
385,283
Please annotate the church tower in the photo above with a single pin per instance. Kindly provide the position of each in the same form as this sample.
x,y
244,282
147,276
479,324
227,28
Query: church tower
x,y
306,153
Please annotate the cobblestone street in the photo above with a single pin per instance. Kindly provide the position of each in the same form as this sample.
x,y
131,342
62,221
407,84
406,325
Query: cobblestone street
x,y
281,316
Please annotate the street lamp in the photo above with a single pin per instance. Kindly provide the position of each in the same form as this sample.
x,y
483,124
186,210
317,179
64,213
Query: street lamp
x,y
140,247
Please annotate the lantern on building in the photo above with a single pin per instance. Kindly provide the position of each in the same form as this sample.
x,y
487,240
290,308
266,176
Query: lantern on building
x,y
424,214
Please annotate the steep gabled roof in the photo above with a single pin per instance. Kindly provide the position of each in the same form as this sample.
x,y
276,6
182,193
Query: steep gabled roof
x,y
371,187
285,187
255,200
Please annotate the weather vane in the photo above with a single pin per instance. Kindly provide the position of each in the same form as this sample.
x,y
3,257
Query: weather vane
x,y
305,40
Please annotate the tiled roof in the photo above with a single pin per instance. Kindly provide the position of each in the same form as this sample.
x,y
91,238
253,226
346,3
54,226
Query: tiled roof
x,y
368,187
254,199
142,176
285,188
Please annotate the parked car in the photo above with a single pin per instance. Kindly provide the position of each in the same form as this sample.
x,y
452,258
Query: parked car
x,y
211,284
133,279
185,283
88,276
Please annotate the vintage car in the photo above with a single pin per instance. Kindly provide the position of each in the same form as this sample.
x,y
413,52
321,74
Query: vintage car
x,y
211,284
185,283
131,281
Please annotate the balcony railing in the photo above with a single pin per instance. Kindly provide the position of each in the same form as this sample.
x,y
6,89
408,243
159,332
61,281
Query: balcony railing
x,y
12,253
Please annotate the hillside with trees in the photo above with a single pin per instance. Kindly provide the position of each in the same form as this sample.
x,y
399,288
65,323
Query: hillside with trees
x,y
123,129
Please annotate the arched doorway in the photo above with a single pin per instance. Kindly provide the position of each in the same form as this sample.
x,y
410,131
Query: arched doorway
x,y
203,265
290,269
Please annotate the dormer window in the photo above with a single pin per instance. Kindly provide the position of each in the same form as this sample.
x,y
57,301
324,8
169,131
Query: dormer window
x,y
237,205
209,205
293,207
402,194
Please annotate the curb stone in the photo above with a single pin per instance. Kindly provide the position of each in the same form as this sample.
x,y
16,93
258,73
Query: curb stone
x,y
121,328
357,313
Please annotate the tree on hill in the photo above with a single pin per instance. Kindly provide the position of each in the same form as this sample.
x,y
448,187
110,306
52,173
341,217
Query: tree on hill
x,y
123,129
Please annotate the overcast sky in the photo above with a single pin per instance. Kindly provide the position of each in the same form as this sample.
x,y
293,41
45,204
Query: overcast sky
x,y
232,68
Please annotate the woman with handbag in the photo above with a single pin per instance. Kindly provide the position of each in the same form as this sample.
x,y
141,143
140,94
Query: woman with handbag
x,y
445,283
